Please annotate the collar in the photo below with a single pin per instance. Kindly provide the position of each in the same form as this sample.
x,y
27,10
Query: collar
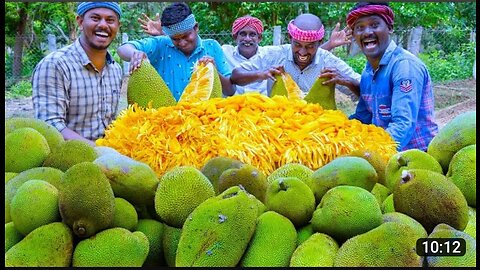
x,y
84,57
387,56
236,52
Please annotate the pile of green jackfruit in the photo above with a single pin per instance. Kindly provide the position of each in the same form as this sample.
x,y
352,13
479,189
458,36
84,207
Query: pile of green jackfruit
x,y
68,203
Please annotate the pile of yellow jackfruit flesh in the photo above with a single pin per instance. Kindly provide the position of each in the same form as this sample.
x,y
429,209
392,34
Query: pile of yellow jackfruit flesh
x,y
255,129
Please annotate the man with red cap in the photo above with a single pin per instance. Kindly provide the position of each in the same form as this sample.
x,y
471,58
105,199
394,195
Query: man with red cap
x,y
395,87
304,59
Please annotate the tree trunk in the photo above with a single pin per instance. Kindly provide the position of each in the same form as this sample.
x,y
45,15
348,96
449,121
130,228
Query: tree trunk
x,y
415,40
18,47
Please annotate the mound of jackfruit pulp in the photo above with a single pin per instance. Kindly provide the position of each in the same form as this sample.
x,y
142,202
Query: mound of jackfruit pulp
x,y
204,84
145,85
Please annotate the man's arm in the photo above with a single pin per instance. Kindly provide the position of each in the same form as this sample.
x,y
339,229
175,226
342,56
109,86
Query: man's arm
x,y
338,38
129,53
241,76
69,134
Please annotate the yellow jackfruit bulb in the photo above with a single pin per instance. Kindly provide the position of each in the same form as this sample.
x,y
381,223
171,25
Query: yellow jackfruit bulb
x,y
286,86
204,84
146,85
322,94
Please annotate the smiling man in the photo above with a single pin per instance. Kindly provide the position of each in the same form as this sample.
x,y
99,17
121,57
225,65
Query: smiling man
x,y
304,59
174,54
77,88
395,87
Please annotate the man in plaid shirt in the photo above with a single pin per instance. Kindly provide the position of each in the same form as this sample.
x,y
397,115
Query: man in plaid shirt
x,y
395,86
77,88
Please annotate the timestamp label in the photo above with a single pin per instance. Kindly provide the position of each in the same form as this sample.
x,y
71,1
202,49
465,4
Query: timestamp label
x,y
441,247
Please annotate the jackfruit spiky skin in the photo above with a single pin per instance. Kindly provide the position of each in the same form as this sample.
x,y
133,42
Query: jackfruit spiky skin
x,y
51,134
214,167
69,153
471,227
344,170
303,233
374,158
392,244
218,231
50,175
467,260
408,159
346,211
9,175
86,200
286,86
130,179
50,245
12,236
217,86
25,148
253,180
456,134
35,204
146,85
462,171
114,247
273,230
125,215
278,87
387,205
179,192
324,95
380,192
170,240
298,170
402,218
430,198
154,231
105,150
285,190
318,250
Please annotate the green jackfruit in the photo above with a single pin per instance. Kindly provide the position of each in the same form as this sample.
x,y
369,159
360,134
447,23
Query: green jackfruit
x,y
114,247
431,199
253,180
69,153
387,205
317,251
402,218
25,148
51,134
171,237
35,204
380,192
12,236
154,231
303,233
105,150
125,215
285,190
346,211
298,170
132,180
146,85
273,230
375,159
456,134
86,200
214,167
467,260
322,94
408,159
181,190
50,245
218,231
471,228
392,244
50,175
344,170
9,175
463,172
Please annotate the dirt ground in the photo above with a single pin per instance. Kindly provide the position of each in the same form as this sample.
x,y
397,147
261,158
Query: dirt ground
x,y
451,99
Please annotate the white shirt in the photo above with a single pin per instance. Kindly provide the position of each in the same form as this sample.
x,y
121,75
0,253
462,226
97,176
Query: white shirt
x,y
282,55
234,59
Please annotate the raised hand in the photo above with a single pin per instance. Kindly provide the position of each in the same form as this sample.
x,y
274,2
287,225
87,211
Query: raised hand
x,y
339,38
151,27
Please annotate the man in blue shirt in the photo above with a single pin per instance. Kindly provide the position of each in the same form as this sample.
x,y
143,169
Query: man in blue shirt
x,y
395,88
175,54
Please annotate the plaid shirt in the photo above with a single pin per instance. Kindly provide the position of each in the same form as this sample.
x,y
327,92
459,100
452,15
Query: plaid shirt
x,y
68,91
399,97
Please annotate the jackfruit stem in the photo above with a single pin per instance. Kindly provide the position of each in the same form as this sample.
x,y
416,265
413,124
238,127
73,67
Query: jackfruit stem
x,y
406,176
282,184
402,161
81,231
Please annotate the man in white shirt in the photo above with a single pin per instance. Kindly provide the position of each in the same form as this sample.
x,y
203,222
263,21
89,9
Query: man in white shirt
x,y
303,59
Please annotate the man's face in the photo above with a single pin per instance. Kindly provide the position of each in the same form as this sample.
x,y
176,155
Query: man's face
x,y
186,42
372,34
247,41
99,26
304,52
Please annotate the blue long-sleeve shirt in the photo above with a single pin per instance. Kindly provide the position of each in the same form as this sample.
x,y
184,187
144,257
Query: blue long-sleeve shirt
x,y
172,64
398,96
